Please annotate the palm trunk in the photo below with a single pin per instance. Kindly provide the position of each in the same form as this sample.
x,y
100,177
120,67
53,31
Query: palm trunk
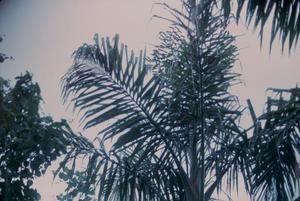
x,y
196,15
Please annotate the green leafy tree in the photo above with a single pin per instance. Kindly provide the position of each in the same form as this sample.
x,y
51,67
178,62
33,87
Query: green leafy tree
x,y
29,142
169,128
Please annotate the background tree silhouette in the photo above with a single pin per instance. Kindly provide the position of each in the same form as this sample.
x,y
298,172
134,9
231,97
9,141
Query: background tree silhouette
x,y
29,142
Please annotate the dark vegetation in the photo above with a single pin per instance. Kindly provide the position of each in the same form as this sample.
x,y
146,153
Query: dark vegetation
x,y
29,142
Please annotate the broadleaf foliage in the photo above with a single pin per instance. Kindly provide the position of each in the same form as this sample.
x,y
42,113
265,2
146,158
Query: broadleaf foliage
x,y
29,142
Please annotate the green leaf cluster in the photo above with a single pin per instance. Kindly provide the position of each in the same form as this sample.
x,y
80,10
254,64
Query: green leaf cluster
x,y
29,142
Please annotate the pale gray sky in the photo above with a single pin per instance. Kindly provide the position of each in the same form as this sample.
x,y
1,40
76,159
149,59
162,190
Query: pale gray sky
x,y
41,36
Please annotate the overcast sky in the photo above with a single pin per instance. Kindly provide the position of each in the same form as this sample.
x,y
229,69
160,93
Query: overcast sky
x,y
41,36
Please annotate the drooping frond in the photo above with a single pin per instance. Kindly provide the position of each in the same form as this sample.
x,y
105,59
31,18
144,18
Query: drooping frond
x,y
274,148
284,16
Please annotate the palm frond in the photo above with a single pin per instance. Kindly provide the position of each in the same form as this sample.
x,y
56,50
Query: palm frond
x,y
274,149
107,84
284,16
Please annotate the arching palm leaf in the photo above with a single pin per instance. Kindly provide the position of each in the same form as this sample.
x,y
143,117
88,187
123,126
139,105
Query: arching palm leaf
x,y
108,84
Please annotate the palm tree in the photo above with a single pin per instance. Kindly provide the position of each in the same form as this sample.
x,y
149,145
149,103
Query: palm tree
x,y
169,127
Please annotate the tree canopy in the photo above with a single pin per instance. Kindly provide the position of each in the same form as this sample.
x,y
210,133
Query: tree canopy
x,y
29,142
